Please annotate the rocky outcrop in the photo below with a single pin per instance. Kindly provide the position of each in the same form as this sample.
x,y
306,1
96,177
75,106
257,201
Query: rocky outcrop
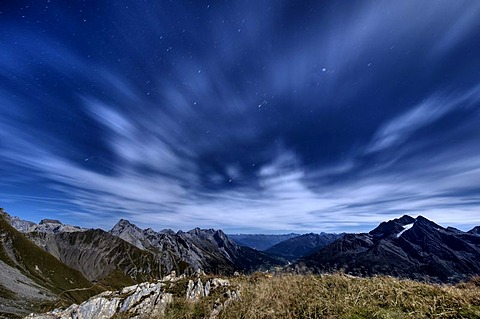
x,y
146,300
225,294
195,290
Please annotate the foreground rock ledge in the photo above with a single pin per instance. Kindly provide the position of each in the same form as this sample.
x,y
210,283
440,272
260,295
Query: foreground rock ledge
x,y
140,301
146,300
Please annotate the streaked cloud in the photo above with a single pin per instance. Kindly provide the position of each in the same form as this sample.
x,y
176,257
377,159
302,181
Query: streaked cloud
x,y
252,117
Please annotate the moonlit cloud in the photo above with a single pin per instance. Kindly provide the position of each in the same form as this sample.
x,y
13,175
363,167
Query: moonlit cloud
x,y
250,117
427,112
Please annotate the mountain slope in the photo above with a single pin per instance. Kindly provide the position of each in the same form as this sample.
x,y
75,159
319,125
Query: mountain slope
x,y
103,257
259,241
302,245
31,279
206,249
406,247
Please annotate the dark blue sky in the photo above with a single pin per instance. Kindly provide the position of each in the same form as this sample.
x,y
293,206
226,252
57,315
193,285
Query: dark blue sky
x,y
250,116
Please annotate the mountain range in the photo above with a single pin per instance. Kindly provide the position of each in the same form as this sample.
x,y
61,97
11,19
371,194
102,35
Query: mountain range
x,y
51,263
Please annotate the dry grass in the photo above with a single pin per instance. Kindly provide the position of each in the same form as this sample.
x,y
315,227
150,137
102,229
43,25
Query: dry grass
x,y
341,296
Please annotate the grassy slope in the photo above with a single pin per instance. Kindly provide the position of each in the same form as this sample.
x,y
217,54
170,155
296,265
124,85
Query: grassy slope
x,y
339,296
53,274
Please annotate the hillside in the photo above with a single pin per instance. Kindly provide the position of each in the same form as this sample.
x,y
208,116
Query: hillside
x,y
32,279
103,257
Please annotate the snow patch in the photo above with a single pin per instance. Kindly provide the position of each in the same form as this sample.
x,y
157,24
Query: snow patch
x,y
405,228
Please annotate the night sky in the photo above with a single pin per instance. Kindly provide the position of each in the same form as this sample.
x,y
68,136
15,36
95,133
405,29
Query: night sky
x,y
249,116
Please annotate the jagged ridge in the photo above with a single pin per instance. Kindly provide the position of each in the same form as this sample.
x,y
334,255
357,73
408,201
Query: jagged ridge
x,y
207,249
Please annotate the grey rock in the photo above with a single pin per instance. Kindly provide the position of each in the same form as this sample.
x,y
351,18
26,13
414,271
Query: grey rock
x,y
217,308
199,273
195,290
219,282
207,288
231,296
171,277
145,300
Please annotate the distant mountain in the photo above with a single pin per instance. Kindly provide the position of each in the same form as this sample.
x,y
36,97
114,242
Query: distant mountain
x,y
45,226
408,247
259,241
32,279
206,249
302,245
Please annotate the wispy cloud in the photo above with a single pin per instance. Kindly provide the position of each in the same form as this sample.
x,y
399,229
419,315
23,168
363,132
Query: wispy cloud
x,y
427,112
272,118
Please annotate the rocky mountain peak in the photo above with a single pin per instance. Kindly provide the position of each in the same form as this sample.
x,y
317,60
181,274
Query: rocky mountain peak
x,y
420,220
475,230
201,232
392,227
406,219
167,231
50,221
129,232
123,223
